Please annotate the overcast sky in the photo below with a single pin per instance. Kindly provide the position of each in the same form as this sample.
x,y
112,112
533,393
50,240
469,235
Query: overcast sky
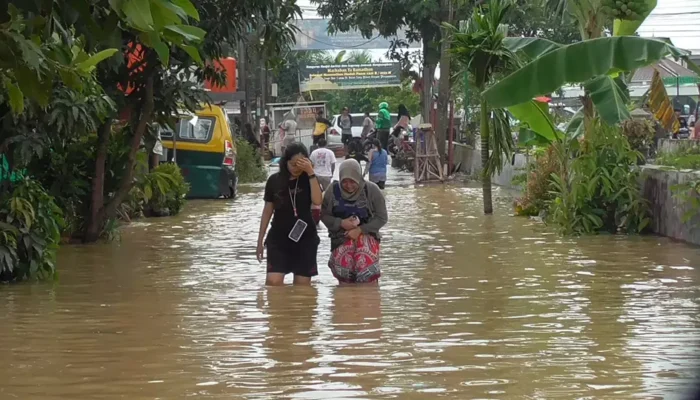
x,y
677,20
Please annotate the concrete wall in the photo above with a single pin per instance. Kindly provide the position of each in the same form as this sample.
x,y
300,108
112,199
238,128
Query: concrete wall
x,y
656,184
471,165
676,145
667,212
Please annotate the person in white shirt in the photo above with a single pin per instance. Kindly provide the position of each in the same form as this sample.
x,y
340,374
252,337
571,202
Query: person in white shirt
x,y
324,161
289,130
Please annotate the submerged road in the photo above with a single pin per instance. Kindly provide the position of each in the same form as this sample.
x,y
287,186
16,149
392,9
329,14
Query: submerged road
x,y
469,306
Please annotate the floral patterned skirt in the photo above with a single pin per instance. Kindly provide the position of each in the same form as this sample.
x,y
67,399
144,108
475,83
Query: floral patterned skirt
x,y
356,261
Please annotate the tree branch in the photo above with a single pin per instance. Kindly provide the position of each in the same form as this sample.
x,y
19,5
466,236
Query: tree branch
x,y
109,211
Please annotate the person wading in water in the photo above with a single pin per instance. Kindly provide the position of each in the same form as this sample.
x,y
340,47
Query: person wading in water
x,y
354,211
292,243
383,124
377,164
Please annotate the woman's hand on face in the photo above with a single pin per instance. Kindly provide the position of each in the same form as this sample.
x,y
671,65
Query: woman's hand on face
x,y
354,234
305,165
260,252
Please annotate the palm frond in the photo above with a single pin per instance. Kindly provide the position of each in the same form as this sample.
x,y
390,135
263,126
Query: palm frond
x,y
501,141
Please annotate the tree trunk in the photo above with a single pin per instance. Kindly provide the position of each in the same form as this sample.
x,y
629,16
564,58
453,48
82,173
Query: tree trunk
x,y
93,224
428,75
444,84
486,175
127,181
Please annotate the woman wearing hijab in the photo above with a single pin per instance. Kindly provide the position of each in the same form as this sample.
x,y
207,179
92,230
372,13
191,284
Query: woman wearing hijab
x,y
354,211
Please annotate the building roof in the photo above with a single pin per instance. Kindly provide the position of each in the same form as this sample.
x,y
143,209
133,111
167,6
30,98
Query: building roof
x,y
667,69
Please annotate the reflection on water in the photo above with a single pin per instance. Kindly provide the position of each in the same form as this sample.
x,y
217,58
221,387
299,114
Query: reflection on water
x,y
468,307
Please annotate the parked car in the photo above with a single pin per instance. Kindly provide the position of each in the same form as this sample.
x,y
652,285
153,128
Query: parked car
x,y
205,151
334,132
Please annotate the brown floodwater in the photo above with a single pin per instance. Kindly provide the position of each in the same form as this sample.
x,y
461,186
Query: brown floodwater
x,y
469,307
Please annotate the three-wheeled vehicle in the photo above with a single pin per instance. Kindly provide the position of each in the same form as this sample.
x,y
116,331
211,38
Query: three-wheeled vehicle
x,y
203,148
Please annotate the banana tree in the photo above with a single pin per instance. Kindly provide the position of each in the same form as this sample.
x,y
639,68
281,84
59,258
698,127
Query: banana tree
x,y
595,63
606,91
479,48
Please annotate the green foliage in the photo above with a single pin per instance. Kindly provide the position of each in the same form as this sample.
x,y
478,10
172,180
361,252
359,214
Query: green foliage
x,y
501,141
168,188
387,17
249,164
689,194
30,226
538,182
159,192
30,65
599,189
610,97
577,63
531,18
686,159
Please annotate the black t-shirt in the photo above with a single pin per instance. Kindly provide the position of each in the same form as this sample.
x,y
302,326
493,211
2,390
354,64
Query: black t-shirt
x,y
283,220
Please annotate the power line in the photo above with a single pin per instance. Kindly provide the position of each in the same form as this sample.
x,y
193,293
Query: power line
x,y
340,47
381,10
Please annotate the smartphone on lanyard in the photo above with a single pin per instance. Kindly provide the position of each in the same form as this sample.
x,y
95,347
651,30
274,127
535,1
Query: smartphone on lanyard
x,y
300,226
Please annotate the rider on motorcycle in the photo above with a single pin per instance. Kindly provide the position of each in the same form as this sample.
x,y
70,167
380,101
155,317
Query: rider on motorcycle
x,y
682,132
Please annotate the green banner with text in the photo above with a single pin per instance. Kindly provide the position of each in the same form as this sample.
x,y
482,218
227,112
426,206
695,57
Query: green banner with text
x,y
349,76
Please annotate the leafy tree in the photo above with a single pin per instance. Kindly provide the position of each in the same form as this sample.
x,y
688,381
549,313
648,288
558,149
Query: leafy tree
x,y
163,59
481,50
533,19
420,18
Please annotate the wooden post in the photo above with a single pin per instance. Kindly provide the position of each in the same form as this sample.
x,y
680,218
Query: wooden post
x,y
450,135
427,161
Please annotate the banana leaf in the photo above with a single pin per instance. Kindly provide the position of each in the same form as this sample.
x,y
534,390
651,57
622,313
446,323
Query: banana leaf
x,y
527,137
577,63
530,47
574,128
610,97
536,118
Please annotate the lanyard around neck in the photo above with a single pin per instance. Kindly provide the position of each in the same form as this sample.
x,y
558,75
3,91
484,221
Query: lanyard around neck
x,y
294,198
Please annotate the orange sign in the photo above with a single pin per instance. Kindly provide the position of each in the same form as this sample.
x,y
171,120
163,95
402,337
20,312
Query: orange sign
x,y
228,65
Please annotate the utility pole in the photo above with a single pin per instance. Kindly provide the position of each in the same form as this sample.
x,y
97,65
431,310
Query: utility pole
x,y
243,80
263,83
444,85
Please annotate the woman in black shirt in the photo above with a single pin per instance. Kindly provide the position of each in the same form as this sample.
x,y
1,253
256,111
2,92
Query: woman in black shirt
x,y
292,242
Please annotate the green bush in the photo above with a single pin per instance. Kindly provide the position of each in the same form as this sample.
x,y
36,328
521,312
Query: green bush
x,y
599,189
539,178
157,193
249,164
30,231
686,159
168,188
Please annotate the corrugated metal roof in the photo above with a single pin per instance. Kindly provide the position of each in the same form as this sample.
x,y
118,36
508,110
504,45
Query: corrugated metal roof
x,y
667,69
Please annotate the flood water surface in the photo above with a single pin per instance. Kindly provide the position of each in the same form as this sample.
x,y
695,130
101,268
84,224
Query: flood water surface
x,y
468,307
